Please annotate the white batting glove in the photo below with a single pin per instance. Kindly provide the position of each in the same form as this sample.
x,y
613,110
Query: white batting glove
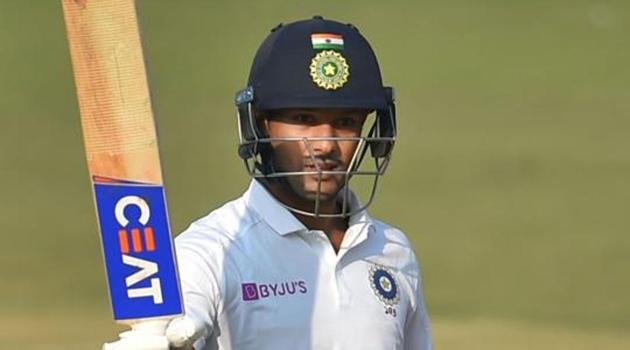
x,y
180,333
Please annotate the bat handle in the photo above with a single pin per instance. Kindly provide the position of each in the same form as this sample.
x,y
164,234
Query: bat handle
x,y
147,334
153,327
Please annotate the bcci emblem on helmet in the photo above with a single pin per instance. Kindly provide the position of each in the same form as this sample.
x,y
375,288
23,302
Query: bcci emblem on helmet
x,y
384,285
329,70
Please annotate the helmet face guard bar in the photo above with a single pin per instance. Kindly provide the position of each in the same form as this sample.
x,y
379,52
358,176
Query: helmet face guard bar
x,y
256,151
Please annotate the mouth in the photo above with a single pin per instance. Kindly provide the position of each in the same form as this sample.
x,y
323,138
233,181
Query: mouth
x,y
322,165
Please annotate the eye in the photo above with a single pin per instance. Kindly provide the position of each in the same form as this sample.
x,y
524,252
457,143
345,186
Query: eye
x,y
347,122
303,118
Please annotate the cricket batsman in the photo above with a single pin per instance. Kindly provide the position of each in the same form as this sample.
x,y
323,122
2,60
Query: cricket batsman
x,y
297,262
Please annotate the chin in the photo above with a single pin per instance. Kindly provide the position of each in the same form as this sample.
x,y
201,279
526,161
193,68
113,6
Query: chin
x,y
308,188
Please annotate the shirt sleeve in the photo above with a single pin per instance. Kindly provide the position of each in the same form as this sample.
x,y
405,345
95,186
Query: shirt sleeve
x,y
417,327
200,286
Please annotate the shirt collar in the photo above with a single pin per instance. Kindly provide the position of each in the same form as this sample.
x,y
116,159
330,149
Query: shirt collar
x,y
284,222
359,224
272,211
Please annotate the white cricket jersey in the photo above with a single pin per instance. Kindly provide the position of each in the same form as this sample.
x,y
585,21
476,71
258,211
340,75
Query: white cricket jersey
x,y
259,279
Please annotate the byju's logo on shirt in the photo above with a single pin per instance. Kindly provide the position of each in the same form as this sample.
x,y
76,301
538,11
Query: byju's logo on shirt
x,y
255,291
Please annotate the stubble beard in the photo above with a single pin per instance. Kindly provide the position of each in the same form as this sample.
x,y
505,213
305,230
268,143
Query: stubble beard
x,y
310,187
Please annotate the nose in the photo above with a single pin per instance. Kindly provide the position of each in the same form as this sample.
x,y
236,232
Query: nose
x,y
326,146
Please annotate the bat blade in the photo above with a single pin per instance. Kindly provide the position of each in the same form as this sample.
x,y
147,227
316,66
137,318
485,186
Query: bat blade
x,y
123,158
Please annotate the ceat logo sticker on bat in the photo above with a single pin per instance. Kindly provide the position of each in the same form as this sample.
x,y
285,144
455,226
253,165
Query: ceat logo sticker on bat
x,y
138,250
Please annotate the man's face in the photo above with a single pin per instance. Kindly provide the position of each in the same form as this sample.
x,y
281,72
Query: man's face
x,y
310,154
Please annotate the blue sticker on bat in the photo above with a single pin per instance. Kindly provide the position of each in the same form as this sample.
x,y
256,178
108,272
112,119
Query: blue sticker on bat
x,y
138,250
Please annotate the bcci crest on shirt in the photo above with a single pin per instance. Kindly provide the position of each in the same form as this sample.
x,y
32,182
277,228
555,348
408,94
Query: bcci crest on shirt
x,y
384,284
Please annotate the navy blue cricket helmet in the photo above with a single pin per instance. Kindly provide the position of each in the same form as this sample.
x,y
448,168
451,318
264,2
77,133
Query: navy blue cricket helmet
x,y
281,76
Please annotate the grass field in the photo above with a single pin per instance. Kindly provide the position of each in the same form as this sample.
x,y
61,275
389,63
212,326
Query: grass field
x,y
511,174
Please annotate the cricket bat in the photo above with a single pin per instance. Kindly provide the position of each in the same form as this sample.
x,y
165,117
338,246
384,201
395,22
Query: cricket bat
x,y
123,160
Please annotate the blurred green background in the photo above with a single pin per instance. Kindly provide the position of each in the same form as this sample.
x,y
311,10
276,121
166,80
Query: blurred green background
x,y
510,175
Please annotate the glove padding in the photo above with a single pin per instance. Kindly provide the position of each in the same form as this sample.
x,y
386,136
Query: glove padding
x,y
179,333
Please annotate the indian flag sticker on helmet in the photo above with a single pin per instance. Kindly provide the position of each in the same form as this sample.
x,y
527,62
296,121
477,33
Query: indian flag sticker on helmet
x,y
329,70
327,41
